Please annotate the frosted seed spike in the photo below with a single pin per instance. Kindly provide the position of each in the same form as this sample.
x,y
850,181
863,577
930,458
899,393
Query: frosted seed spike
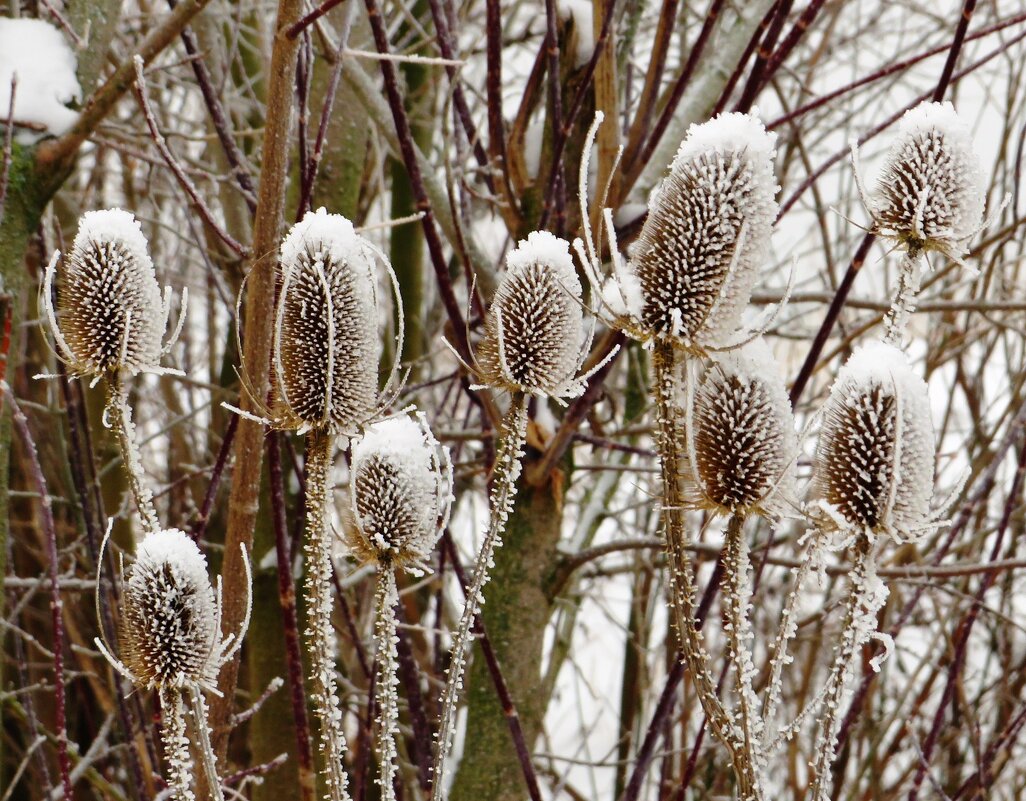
x,y
875,459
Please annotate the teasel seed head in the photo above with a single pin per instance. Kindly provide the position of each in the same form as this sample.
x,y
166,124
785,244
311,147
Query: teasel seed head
x,y
874,463
707,232
741,441
170,626
400,492
534,330
327,345
110,317
930,194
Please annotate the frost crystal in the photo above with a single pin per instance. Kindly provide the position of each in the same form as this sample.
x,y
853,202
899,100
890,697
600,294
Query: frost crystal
x,y
169,630
930,193
109,316
327,345
534,331
39,55
875,460
401,489
707,232
741,440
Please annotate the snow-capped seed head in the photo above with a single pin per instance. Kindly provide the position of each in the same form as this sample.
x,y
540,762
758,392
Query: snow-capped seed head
x,y
875,458
930,194
741,438
534,329
707,231
169,632
327,344
401,489
110,315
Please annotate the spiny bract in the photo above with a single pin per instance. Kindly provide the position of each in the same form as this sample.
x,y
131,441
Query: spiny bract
x,y
741,440
534,329
327,344
110,316
170,634
706,234
400,492
930,193
874,463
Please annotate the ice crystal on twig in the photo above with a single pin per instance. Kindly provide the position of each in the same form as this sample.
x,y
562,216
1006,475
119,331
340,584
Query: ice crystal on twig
x,y
740,435
875,459
171,641
706,234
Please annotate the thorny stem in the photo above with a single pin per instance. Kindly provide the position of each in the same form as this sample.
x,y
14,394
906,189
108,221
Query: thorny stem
x,y
319,604
852,638
738,630
896,319
176,744
681,580
512,434
206,751
118,416
387,681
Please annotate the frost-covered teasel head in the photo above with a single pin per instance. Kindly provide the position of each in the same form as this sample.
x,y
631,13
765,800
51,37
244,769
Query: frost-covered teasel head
x,y
707,232
400,492
930,194
874,463
110,317
170,630
534,338
741,441
327,345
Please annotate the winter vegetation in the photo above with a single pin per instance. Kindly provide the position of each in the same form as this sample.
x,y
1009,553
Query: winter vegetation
x,y
487,401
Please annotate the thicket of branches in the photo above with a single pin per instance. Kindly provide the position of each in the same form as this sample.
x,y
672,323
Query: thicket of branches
x,y
447,133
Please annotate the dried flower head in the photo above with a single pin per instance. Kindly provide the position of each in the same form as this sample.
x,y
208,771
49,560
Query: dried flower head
x,y
327,345
534,331
740,435
930,194
401,488
875,459
170,630
170,633
110,317
707,231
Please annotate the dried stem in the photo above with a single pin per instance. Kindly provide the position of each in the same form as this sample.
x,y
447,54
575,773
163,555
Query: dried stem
x,y
206,751
317,548
512,434
176,744
897,317
35,471
387,681
118,416
681,579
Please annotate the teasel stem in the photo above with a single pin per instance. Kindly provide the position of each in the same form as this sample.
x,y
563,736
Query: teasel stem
x,y
682,583
318,597
738,629
851,641
896,320
176,744
206,751
512,434
387,667
118,416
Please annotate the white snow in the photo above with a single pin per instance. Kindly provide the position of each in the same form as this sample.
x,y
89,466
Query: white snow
x,y
581,13
931,116
39,55
114,225
173,547
330,234
725,133
541,247
399,438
